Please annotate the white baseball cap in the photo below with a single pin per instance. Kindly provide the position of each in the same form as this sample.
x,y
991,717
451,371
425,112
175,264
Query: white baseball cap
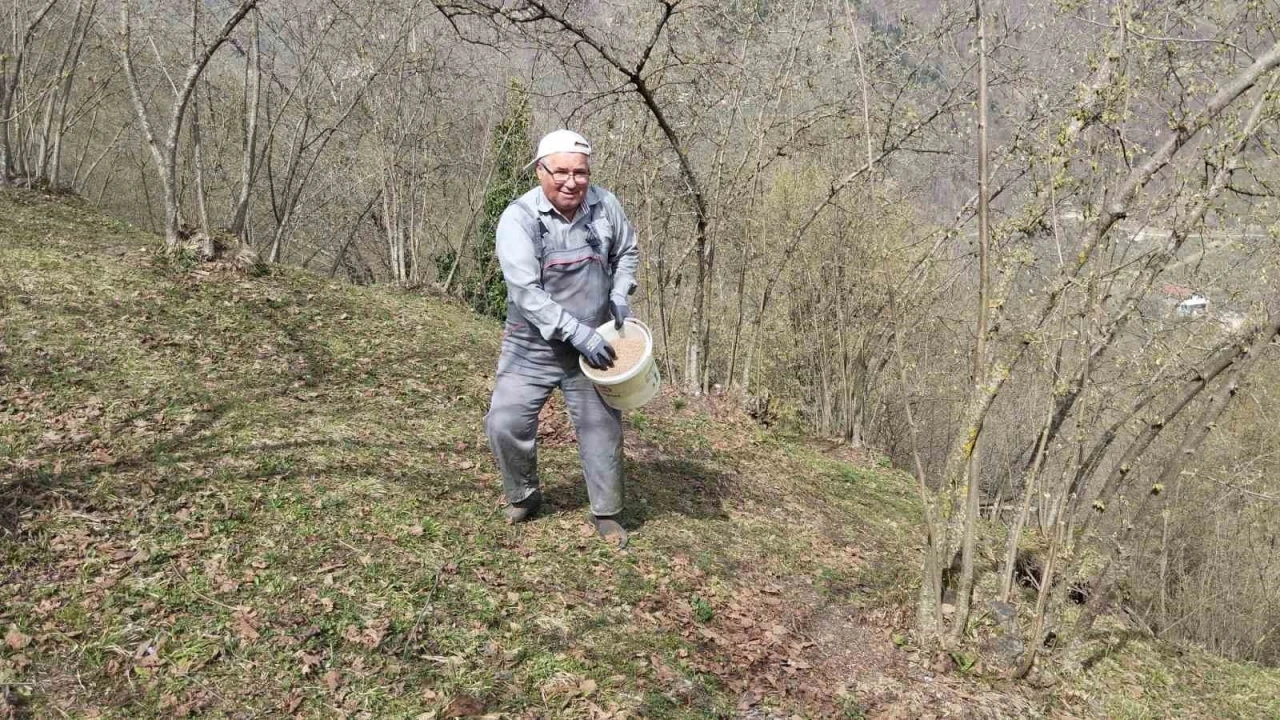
x,y
559,141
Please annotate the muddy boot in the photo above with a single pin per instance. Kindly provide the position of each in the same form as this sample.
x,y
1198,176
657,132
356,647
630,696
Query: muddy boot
x,y
610,531
523,510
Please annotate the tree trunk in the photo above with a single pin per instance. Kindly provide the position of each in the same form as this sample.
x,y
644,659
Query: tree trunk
x,y
695,354
9,90
929,599
46,126
1200,379
60,124
249,149
82,182
207,249
741,315
964,595
66,70
341,255
1042,597
1024,511
284,206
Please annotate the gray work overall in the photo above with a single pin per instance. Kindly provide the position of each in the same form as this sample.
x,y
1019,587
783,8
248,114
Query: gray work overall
x,y
575,274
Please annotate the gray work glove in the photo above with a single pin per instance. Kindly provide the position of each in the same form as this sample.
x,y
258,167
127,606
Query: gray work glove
x,y
598,353
620,313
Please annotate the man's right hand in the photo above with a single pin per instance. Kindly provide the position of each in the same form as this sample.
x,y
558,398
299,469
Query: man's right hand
x,y
598,353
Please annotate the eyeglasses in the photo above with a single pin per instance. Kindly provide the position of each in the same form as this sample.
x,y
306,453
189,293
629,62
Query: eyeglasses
x,y
561,177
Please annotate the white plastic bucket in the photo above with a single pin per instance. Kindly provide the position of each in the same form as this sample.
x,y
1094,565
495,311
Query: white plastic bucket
x,y
636,386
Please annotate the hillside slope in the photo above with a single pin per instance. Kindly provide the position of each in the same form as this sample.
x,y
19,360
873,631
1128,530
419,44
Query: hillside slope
x,y
266,497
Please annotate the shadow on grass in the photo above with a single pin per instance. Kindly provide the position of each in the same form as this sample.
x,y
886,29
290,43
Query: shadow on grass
x,y
65,475
655,488
70,476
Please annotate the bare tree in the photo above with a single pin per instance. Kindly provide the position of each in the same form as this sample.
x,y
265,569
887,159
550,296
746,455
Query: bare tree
x,y
166,157
1120,197
197,146
251,99
49,156
972,490
9,82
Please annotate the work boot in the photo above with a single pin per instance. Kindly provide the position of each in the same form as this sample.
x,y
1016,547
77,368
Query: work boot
x,y
523,510
610,531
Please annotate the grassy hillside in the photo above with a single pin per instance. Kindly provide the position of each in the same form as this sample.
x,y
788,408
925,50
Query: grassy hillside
x,y
270,497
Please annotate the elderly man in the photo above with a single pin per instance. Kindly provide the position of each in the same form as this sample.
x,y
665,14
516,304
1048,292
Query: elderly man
x,y
569,258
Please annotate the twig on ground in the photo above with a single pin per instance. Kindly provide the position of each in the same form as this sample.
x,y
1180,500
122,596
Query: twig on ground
x,y
201,595
426,607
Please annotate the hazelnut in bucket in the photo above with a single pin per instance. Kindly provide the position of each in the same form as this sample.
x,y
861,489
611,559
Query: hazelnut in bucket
x,y
633,380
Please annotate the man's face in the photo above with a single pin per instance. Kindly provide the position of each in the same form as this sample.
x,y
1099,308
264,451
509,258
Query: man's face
x,y
564,178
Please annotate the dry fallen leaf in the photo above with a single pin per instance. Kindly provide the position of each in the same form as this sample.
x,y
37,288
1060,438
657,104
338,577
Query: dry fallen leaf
x,y
369,637
15,639
333,680
244,625
150,659
310,661
463,706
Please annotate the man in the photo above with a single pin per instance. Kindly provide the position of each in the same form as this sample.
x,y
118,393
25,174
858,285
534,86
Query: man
x,y
569,258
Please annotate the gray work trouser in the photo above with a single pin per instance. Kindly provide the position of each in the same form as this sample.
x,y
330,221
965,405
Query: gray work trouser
x,y
512,428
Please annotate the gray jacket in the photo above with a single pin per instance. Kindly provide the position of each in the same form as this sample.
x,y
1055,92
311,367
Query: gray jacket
x,y
522,267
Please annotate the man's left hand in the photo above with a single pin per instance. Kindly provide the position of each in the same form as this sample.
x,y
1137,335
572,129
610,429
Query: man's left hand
x,y
620,313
